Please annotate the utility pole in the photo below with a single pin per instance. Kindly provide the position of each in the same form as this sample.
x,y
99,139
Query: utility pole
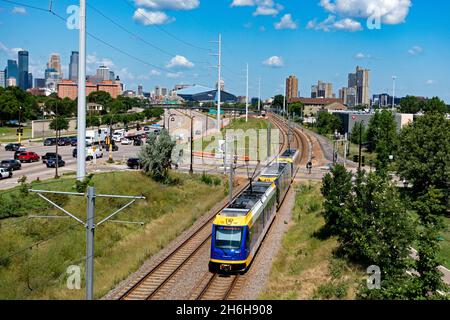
x,y
191,169
284,99
246,100
230,141
81,121
219,93
360,146
90,224
393,91
259,94
19,131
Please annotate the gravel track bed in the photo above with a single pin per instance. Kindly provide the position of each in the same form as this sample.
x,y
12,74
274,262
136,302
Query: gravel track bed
x,y
154,260
256,278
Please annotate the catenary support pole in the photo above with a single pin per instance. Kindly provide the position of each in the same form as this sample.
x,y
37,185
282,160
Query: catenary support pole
x,y
246,99
219,91
90,229
81,120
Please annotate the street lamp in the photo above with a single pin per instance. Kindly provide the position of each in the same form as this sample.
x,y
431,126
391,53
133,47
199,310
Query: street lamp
x,y
171,118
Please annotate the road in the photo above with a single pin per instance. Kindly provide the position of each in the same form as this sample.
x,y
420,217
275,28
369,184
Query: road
x,y
39,170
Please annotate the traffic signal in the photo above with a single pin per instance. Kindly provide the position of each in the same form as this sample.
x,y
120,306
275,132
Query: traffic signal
x,y
138,127
19,132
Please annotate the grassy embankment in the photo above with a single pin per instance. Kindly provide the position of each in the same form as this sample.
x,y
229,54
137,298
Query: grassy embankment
x,y
40,272
209,142
8,134
305,267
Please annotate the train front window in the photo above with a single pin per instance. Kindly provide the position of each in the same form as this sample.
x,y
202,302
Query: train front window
x,y
228,238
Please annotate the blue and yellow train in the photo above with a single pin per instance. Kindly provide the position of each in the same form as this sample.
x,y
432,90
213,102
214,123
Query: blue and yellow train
x,y
239,229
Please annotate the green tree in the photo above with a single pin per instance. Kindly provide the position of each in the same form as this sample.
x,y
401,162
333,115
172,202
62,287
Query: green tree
x,y
58,124
328,123
336,188
374,226
278,102
436,105
156,156
430,208
423,156
100,97
383,138
296,108
355,134
410,104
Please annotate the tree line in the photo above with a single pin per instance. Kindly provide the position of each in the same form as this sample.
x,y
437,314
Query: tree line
x,y
377,223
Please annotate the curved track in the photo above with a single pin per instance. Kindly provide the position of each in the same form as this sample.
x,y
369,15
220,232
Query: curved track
x,y
212,286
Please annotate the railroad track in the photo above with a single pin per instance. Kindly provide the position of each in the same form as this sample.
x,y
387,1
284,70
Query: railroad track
x,y
155,283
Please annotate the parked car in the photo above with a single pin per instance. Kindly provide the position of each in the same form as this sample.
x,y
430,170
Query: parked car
x,y
137,142
12,146
5,173
50,142
126,141
73,141
51,163
64,142
117,137
134,163
89,153
11,165
146,128
49,155
19,151
28,157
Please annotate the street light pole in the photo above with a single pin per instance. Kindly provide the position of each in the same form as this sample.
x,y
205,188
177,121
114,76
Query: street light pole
x,y
246,99
81,121
191,169
393,91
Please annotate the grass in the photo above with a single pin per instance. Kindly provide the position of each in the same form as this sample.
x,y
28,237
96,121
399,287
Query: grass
x,y
120,249
209,143
444,255
8,134
306,267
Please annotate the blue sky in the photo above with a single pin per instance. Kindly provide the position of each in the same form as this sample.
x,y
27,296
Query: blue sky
x,y
313,39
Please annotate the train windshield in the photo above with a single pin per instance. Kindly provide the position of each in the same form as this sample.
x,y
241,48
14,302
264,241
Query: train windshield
x,y
228,237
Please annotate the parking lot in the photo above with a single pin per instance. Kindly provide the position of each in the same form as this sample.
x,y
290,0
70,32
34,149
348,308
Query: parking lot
x,y
39,170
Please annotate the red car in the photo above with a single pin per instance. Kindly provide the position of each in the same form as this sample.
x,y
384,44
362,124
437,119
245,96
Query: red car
x,y
28,157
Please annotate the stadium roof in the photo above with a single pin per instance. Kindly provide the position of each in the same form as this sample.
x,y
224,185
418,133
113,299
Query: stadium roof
x,y
195,89
204,94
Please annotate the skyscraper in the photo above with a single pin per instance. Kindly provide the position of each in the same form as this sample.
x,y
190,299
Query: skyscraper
x,y
23,70
12,71
3,79
73,66
359,83
30,80
103,73
140,90
112,76
291,87
39,83
322,90
55,63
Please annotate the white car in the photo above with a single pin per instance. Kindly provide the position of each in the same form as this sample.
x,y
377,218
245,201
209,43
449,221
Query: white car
x,y
126,141
5,173
91,152
117,137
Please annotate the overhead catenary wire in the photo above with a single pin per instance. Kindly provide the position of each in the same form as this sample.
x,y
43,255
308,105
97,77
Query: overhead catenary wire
x,y
165,31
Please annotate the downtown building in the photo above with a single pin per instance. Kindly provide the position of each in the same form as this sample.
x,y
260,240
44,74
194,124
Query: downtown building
x,y
69,89
357,91
322,90
73,66
23,76
292,88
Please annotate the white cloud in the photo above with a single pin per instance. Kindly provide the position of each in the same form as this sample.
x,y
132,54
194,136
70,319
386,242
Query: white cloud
x,y
243,3
11,52
389,11
126,74
274,62
286,22
174,75
93,59
430,82
19,10
330,24
180,62
168,4
361,56
155,73
416,50
263,7
151,17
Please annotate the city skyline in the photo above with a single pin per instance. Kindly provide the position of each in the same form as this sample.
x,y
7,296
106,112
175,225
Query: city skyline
x,y
317,50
